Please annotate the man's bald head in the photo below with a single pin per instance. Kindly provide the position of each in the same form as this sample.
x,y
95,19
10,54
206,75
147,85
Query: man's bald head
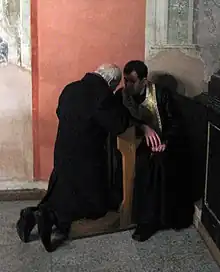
x,y
111,73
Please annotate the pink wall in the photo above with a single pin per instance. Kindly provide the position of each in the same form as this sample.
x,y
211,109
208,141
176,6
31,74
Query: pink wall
x,y
74,37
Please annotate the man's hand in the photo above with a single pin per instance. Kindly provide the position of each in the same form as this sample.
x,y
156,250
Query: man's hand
x,y
160,148
152,138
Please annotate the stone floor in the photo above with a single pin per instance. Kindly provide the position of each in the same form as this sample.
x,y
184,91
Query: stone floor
x,y
167,251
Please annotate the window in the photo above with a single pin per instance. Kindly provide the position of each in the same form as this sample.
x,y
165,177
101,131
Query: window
x,y
171,23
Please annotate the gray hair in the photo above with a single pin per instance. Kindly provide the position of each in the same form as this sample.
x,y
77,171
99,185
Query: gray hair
x,y
111,73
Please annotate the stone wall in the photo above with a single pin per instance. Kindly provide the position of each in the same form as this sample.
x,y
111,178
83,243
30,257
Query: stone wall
x,y
190,46
208,35
15,32
16,163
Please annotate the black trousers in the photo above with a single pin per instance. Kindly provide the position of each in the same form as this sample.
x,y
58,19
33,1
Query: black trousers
x,y
150,194
70,200
163,187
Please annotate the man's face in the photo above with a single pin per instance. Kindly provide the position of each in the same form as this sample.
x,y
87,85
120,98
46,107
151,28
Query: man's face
x,y
114,84
133,84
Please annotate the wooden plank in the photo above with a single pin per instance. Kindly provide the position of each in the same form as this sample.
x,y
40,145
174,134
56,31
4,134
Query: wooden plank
x,y
127,146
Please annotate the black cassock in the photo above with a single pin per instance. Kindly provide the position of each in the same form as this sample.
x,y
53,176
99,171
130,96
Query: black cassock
x,y
163,185
78,186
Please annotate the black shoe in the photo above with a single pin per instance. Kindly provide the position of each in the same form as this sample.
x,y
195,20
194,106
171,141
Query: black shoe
x,y
181,226
59,235
26,223
144,231
45,224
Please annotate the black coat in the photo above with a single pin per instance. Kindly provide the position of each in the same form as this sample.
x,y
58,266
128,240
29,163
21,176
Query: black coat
x,y
163,182
87,112
166,107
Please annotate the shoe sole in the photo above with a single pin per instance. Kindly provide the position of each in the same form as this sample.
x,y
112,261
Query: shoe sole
x,y
21,233
45,239
138,239
23,227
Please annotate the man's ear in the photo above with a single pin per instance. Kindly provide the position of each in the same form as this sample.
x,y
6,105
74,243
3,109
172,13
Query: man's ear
x,y
144,80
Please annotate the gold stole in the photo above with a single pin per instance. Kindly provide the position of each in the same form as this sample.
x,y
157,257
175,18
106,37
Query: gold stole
x,y
150,103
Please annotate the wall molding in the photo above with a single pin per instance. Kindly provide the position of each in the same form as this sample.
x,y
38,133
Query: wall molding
x,y
22,190
23,185
197,216
215,252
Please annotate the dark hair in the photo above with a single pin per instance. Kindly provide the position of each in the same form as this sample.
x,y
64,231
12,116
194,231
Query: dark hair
x,y
138,66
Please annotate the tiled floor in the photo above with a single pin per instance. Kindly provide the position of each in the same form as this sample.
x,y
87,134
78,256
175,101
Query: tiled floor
x,y
167,251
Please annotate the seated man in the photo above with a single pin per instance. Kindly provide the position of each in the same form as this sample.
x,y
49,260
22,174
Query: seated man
x,y
156,195
87,112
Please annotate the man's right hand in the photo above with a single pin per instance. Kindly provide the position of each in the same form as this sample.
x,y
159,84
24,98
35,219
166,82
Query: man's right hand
x,y
160,148
152,139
